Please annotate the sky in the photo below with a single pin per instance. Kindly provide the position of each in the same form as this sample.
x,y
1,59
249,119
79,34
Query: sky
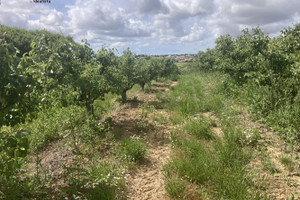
x,y
152,27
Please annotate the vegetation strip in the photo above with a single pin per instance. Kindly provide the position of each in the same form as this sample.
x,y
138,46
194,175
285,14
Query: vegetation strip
x,y
215,149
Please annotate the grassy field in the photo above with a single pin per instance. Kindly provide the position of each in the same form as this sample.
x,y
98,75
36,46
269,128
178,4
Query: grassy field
x,y
218,152
212,161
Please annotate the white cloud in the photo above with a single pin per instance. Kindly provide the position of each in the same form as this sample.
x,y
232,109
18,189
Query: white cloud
x,y
173,25
232,15
54,21
95,15
148,6
219,25
25,14
10,19
103,19
196,33
173,20
180,9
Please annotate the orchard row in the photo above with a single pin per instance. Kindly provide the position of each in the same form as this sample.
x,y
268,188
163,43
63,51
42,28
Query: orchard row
x,y
56,71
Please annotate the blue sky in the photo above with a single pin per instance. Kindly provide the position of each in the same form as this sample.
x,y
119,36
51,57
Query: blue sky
x,y
151,26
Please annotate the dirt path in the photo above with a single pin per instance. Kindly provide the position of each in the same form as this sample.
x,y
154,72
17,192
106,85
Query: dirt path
x,y
146,180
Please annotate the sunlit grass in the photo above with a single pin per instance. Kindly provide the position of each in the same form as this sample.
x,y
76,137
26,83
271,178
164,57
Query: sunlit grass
x,y
217,164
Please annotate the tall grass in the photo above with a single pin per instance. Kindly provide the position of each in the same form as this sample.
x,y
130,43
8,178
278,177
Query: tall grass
x,y
216,164
283,115
184,99
199,127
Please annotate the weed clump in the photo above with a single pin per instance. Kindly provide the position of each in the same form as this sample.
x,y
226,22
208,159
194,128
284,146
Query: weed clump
x,y
175,187
101,181
134,149
199,127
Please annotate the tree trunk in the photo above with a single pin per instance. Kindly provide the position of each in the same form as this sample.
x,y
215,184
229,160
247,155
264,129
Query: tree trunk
x,y
143,86
89,107
124,97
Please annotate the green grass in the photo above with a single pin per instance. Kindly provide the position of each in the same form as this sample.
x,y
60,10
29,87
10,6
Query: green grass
x,y
217,165
269,165
134,89
175,187
160,118
103,106
184,99
102,180
200,127
283,116
54,124
184,66
134,149
176,118
187,97
287,162
286,121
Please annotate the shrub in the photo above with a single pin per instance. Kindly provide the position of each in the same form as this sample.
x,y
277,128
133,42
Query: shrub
x,y
14,147
55,123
